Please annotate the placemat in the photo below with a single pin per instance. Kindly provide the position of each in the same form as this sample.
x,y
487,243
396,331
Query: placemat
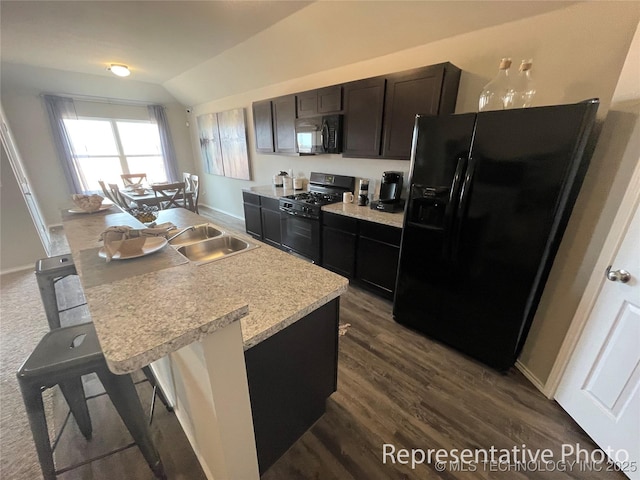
x,y
96,271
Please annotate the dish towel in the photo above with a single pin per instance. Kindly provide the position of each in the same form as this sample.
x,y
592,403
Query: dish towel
x,y
125,239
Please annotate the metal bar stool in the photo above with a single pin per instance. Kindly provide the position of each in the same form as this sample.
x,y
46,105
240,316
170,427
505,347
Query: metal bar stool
x,y
49,271
61,358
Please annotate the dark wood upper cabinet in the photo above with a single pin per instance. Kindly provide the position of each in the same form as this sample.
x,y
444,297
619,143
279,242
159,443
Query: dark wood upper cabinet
x,y
307,103
429,90
330,99
284,119
380,112
320,101
263,126
363,107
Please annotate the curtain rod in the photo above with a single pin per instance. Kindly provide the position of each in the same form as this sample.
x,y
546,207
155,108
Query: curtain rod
x,y
96,99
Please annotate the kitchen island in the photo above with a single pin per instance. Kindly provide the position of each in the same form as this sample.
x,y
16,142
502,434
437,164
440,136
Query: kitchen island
x,y
184,319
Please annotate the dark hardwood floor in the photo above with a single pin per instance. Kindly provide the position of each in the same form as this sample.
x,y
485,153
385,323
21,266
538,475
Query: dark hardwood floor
x,y
398,387
395,387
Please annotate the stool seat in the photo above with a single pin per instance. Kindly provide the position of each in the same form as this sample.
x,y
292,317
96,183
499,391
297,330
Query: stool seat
x,y
61,358
56,266
63,350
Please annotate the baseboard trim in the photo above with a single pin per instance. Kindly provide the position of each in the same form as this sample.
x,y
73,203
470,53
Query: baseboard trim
x,y
531,377
221,211
17,269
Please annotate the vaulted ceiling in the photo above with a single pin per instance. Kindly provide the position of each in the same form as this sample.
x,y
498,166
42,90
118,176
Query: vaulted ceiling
x,y
233,44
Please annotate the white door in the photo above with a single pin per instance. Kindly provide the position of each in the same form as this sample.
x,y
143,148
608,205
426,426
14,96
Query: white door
x,y
23,182
601,385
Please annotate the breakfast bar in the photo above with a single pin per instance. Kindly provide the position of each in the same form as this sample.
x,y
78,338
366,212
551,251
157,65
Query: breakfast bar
x,y
245,346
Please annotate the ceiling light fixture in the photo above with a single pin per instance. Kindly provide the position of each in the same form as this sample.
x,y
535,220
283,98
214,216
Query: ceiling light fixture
x,y
119,70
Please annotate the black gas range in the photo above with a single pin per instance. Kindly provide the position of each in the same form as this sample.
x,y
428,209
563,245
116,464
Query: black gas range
x,y
300,213
324,189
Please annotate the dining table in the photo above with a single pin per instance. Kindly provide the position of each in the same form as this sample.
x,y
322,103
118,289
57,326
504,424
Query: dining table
x,y
148,197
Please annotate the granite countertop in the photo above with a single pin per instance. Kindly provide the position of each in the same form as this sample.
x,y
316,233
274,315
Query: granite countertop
x,y
366,213
272,191
347,209
143,317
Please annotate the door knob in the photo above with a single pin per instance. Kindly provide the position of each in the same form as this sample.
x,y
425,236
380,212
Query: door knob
x,y
621,276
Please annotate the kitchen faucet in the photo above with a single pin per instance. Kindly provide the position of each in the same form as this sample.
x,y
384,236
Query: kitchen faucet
x,y
184,230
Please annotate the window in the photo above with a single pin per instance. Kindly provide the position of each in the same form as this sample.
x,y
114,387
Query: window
x,y
106,148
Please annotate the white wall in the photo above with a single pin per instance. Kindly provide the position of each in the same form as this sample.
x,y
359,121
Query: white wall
x,y
20,245
614,160
578,53
21,89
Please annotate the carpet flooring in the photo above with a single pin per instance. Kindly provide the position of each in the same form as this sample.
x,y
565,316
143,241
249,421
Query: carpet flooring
x,y
22,324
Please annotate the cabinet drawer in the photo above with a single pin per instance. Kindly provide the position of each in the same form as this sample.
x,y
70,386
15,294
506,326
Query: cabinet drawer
x,y
270,203
251,198
340,222
381,233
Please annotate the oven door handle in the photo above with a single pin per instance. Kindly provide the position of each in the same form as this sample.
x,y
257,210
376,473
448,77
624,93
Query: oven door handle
x,y
288,212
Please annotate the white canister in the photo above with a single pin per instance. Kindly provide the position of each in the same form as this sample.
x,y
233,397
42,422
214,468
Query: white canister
x,y
287,182
298,183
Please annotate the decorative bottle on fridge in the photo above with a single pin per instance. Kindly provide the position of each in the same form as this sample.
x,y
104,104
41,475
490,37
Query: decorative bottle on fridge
x,y
525,88
498,94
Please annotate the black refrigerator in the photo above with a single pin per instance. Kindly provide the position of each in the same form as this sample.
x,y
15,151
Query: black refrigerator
x,y
489,198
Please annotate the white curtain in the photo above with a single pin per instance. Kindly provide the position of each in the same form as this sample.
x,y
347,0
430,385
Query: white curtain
x,y
158,115
58,109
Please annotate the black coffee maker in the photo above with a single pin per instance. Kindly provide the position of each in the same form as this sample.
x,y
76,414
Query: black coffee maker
x,y
390,192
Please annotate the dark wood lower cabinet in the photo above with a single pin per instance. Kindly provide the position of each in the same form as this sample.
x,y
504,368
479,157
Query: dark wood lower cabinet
x,y
377,266
290,377
262,218
362,251
252,216
271,221
377,257
339,235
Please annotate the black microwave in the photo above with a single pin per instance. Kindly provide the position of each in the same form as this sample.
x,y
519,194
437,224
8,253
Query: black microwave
x,y
317,135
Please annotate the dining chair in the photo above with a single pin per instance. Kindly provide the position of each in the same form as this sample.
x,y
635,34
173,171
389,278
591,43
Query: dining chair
x,y
195,193
171,195
106,191
133,178
117,197
186,178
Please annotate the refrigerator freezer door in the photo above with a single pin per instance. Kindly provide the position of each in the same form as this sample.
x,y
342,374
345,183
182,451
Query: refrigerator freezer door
x,y
521,180
439,158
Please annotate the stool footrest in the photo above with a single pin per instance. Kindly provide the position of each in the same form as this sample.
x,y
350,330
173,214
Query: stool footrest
x,y
99,457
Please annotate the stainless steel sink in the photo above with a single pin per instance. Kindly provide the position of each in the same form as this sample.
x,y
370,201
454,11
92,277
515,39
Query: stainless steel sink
x,y
217,248
197,234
